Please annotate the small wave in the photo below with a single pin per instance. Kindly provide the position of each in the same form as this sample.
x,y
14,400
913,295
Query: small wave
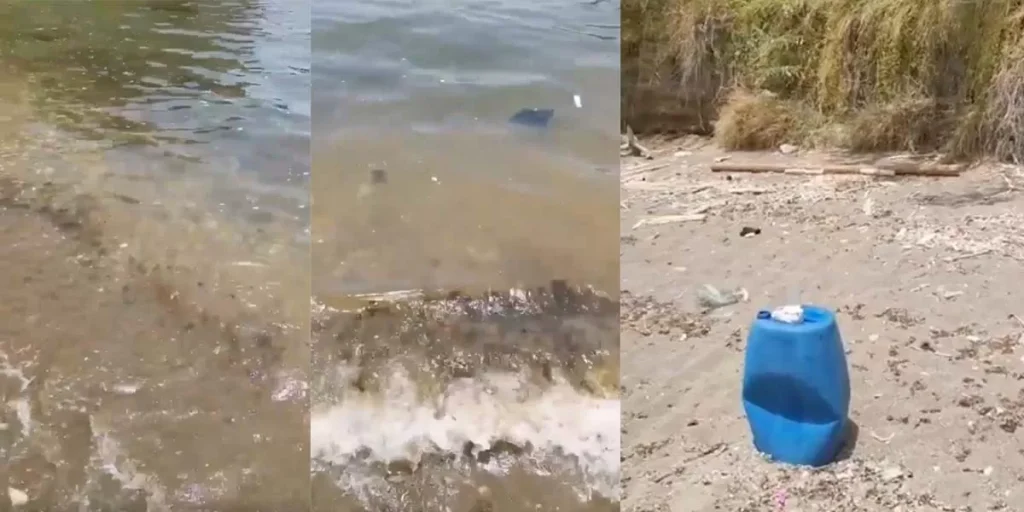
x,y
558,328
16,384
486,421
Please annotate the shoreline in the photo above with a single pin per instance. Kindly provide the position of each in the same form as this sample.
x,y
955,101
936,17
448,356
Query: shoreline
x,y
117,329
537,370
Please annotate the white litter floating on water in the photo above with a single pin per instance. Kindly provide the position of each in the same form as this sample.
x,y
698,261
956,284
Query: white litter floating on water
x,y
126,388
791,314
17,496
577,100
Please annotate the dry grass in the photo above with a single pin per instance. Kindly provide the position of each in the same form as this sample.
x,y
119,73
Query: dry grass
x,y
758,121
895,74
1004,117
914,123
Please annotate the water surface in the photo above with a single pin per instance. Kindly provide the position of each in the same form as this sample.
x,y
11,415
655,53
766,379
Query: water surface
x,y
153,213
465,269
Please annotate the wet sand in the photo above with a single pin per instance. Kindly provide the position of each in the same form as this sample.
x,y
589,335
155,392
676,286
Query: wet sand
x,y
923,273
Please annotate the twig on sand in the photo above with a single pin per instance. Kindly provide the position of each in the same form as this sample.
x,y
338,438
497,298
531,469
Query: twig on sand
x,y
632,145
640,169
975,254
1017,318
885,439
749,190
936,352
705,208
649,186
678,470
669,219
1009,183
711,450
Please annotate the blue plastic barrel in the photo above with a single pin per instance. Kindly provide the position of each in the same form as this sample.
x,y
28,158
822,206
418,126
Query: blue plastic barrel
x,y
796,388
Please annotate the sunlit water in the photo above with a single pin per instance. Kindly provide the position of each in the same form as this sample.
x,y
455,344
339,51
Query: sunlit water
x,y
153,217
465,269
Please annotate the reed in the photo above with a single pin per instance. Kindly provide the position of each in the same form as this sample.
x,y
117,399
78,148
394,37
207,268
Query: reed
x,y
862,74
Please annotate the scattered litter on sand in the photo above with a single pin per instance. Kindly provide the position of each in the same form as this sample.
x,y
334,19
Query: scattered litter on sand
x,y
711,298
922,272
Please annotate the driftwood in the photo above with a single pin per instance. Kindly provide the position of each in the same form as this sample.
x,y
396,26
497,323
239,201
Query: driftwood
x,y
641,169
631,146
669,219
882,169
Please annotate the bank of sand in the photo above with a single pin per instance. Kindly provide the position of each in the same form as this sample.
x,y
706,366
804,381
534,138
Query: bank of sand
x,y
925,274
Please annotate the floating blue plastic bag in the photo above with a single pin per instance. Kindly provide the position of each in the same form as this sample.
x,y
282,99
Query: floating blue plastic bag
x,y
796,387
533,117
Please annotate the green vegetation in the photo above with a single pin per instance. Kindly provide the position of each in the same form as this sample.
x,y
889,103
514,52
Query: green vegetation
x,y
861,74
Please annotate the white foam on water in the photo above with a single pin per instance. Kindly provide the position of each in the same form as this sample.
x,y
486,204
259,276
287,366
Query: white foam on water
x,y
557,422
20,405
110,458
289,388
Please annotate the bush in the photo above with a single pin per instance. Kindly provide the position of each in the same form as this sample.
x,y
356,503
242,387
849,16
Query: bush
x,y
920,74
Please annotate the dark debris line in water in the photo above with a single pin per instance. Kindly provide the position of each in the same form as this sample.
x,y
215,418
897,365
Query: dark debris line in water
x,y
560,325
551,331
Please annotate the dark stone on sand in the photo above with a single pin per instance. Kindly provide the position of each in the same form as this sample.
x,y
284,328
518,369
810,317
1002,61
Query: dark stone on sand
x,y
378,176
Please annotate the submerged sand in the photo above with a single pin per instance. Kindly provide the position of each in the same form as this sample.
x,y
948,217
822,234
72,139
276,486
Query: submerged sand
x,y
137,372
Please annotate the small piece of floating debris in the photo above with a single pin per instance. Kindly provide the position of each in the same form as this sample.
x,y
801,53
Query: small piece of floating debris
x,y
248,264
533,117
392,296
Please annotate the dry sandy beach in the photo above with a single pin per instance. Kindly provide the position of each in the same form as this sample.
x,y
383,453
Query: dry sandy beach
x,y
925,275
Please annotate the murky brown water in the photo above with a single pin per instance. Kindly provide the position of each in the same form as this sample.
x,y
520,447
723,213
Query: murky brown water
x,y
456,211
126,386
502,400
153,348
431,392
465,337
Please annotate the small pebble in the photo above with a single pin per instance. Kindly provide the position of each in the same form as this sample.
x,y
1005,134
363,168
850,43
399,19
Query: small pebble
x,y
892,473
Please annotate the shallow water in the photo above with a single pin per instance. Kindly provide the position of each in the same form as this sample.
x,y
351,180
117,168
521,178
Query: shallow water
x,y
152,211
431,390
